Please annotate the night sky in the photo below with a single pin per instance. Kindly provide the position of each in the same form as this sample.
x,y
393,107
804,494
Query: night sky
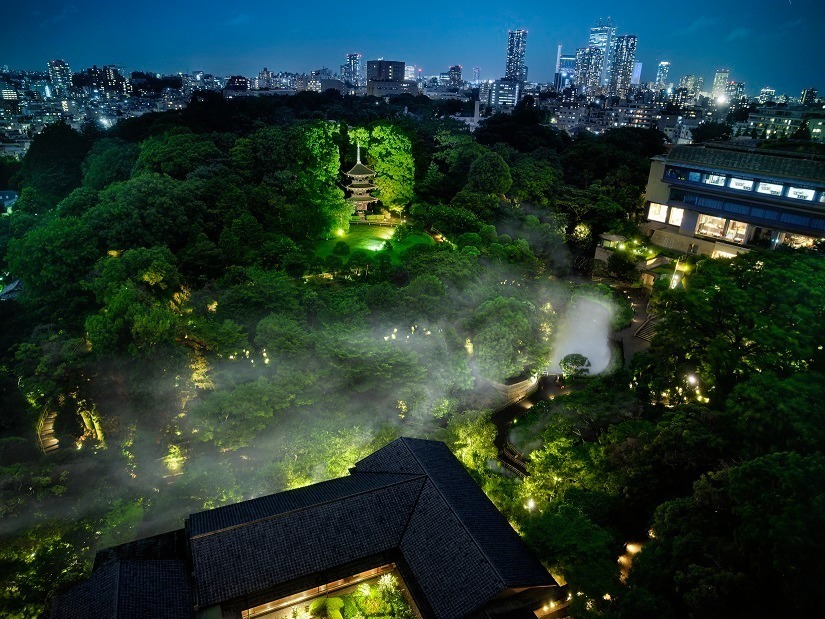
x,y
764,42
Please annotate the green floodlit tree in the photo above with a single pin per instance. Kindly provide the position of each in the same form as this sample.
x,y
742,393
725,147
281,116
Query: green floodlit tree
x,y
388,151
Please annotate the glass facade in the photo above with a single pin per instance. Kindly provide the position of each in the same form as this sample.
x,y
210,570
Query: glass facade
x,y
720,228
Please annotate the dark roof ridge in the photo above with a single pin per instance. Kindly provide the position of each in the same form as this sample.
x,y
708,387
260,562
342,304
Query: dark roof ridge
x,y
460,520
305,507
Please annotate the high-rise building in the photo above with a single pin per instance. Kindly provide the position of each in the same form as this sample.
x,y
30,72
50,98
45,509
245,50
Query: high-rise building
x,y
516,48
565,72
735,92
351,70
621,69
455,77
61,77
808,96
476,76
589,62
409,72
602,36
766,94
385,70
688,82
636,78
661,74
720,83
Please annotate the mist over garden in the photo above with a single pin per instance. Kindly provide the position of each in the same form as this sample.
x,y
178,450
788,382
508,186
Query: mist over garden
x,y
202,321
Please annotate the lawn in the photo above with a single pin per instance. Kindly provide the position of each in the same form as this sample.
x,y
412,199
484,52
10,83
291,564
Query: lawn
x,y
372,238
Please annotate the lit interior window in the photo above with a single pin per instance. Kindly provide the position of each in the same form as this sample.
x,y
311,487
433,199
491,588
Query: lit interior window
x,y
770,188
742,184
714,179
675,218
657,212
801,193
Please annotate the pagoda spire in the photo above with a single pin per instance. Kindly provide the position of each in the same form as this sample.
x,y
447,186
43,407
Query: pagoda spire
x,y
358,152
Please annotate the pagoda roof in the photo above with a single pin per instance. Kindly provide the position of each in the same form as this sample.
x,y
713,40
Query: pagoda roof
x,y
357,185
357,198
359,169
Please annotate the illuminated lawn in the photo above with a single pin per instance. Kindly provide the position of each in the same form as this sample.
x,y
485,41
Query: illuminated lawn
x,y
372,238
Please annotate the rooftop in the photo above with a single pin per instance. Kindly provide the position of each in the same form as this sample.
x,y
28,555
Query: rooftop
x,y
410,502
776,163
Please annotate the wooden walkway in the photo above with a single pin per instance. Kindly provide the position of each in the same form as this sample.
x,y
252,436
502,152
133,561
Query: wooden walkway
x,y
45,433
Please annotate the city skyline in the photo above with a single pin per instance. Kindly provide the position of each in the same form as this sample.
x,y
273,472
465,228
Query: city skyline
x,y
252,35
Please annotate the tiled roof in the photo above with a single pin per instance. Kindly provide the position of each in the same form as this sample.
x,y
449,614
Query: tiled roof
x,y
411,499
773,163
130,590
235,562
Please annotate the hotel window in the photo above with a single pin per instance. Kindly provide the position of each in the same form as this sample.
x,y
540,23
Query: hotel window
x,y
657,212
675,218
770,189
714,179
800,193
741,184
711,226
736,231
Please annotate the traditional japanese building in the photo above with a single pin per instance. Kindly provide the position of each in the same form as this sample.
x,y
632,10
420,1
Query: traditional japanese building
x,y
409,513
360,186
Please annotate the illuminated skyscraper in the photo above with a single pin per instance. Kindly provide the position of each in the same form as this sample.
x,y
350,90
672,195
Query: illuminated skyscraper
x,y
61,77
688,82
516,47
351,70
621,69
661,74
565,72
589,62
720,83
476,76
603,36
455,77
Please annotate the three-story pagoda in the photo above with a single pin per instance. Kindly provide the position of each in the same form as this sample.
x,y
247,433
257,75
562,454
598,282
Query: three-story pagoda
x,y
360,186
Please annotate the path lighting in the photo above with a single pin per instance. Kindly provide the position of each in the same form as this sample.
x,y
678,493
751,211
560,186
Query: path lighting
x,y
531,504
691,379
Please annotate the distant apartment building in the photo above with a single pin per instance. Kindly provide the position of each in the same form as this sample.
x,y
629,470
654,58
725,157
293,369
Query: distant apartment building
x,y
621,66
589,63
720,199
516,49
60,75
772,122
387,77
505,93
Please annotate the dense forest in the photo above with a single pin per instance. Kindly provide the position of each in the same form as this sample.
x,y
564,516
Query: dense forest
x,y
200,325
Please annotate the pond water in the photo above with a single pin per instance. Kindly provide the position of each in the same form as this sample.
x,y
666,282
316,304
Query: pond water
x,y
584,328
